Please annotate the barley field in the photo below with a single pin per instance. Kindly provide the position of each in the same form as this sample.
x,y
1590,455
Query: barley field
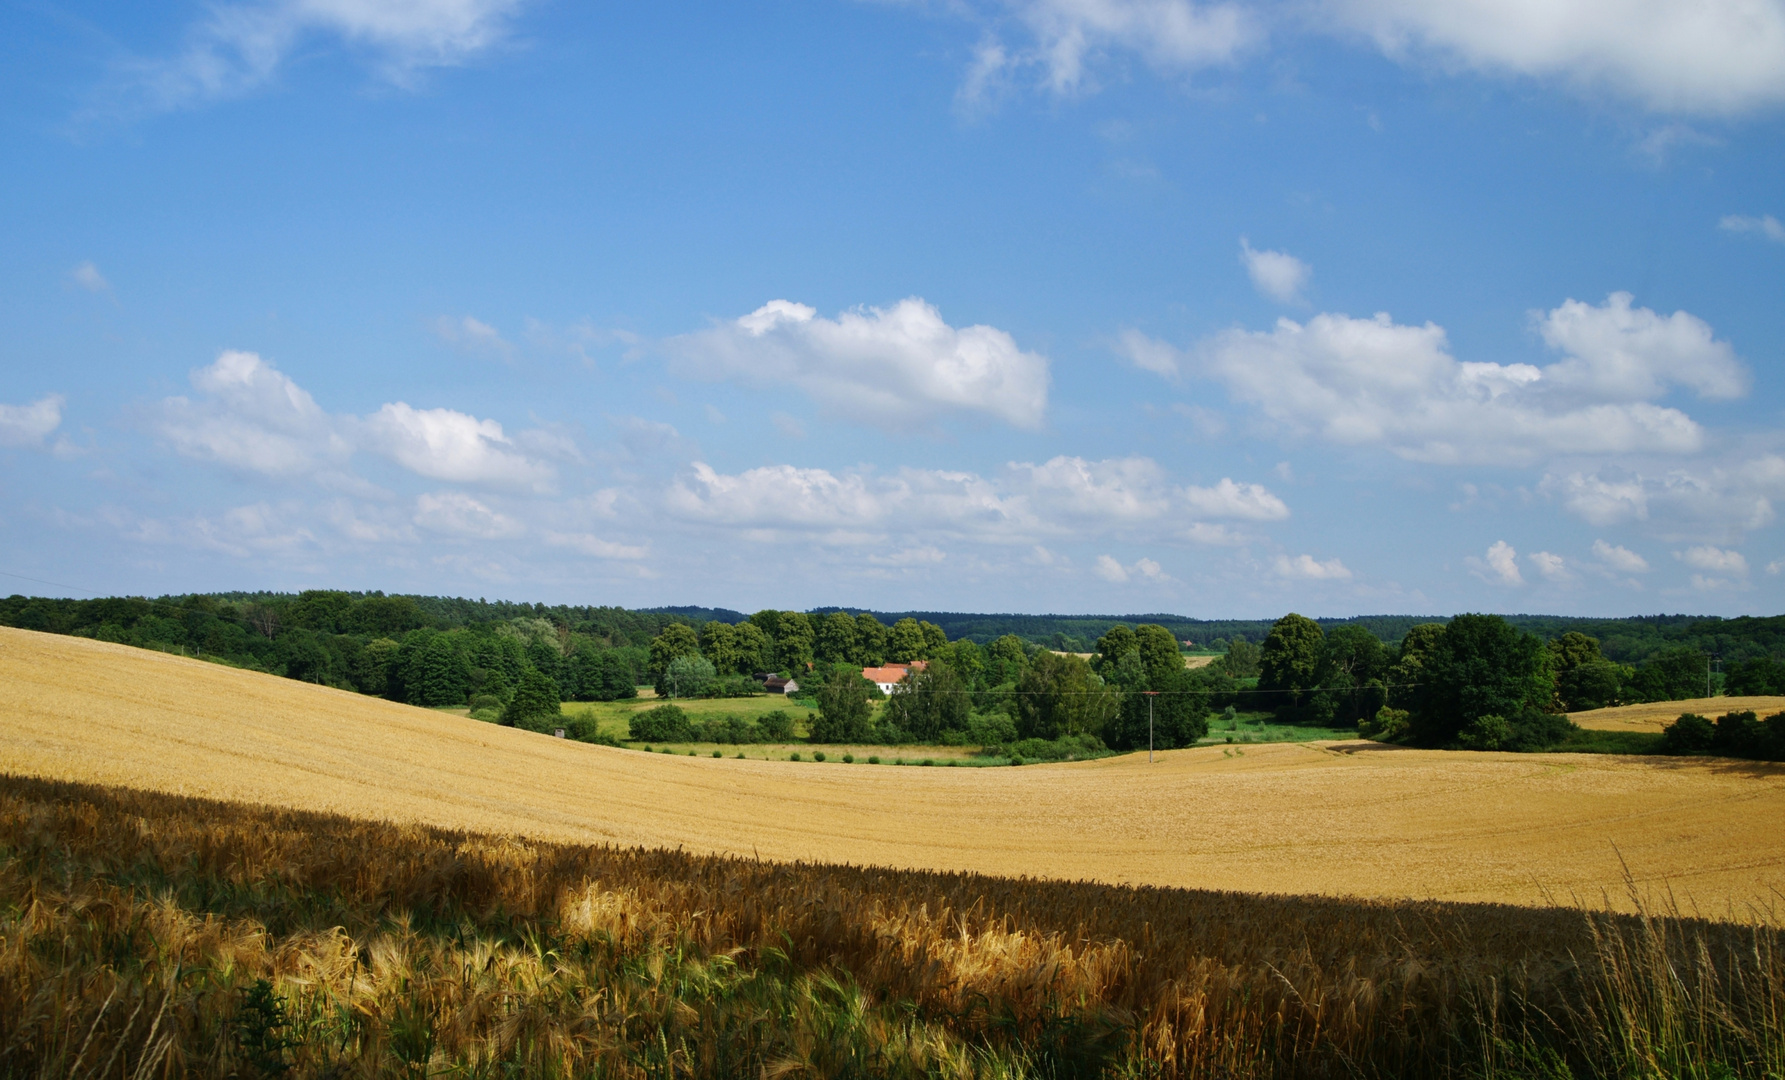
x,y
1337,819
153,935
1657,715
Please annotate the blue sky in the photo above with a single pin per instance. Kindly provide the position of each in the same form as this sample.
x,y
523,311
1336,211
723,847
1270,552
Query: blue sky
x,y
1340,306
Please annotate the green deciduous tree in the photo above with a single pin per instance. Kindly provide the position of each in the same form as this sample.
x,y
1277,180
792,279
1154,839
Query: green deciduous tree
x,y
1480,666
1159,651
676,639
1242,659
927,704
687,676
839,640
870,640
1289,661
719,644
1060,695
756,650
794,641
535,705
905,641
844,709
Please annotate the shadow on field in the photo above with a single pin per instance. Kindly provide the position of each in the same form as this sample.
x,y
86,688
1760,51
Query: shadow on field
x,y
215,939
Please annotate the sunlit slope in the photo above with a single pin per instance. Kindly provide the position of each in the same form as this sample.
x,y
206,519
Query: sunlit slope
x,y
1288,818
1656,715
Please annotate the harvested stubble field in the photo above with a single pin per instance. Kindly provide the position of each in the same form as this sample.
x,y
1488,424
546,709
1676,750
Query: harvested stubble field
x,y
1335,819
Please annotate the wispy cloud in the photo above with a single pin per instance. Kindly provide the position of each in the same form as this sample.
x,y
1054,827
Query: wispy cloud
x,y
239,47
1765,225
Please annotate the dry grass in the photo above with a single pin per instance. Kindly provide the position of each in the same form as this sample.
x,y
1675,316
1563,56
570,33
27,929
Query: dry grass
x,y
135,927
1351,819
1657,715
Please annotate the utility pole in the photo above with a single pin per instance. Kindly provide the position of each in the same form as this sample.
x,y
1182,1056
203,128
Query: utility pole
x,y
1151,694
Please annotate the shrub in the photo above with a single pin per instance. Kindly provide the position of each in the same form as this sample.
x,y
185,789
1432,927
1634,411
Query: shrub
x,y
795,756
849,759
1738,734
665,723
486,701
1386,726
873,759
818,756
1690,734
776,726
583,727
717,754
1486,733
929,761
1016,759
991,729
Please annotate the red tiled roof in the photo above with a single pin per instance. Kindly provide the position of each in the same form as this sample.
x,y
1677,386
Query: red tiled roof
x,y
891,673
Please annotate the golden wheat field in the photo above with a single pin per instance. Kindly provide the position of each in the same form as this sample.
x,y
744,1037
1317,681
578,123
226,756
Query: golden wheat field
x,y
1336,819
1657,715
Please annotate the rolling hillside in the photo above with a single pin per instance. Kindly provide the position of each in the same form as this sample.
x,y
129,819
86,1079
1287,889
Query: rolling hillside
x,y
1342,819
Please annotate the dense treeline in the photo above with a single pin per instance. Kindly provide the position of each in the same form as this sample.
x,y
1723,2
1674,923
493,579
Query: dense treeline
x,y
517,663
510,662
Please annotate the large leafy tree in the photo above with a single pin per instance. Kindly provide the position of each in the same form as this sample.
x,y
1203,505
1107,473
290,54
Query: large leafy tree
x,y
719,644
1290,659
845,709
870,636
676,639
1159,651
1480,666
1061,695
535,705
1180,713
794,641
839,640
928,703
1585,679
1351,676
756,650
1406,673
905,641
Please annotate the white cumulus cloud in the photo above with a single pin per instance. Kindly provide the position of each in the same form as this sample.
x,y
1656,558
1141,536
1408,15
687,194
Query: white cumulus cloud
x,y
444,444
1553,567
251,417
1499,566
1377,382
1062,497
1276,274
1308,568
1714,497
1620,558
1766,225
29,425
1709,57
1616,353
895,367
1143,569
458,514
1714,560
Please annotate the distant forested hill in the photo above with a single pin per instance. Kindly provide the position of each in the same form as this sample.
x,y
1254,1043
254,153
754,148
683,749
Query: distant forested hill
x,y
332,636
